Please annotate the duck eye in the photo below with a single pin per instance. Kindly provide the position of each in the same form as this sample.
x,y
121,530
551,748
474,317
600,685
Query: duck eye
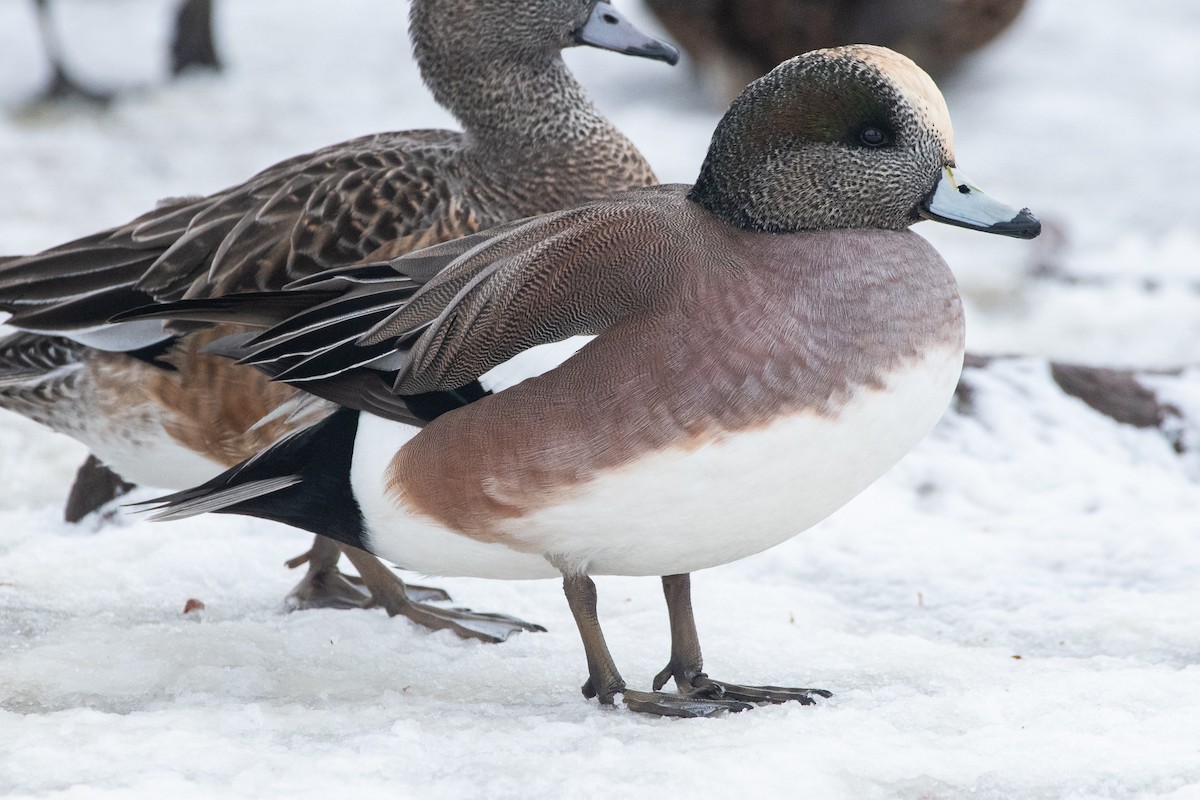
x,y
872,137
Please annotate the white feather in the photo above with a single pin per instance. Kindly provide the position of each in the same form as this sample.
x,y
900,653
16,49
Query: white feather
x,y
676,510
531,363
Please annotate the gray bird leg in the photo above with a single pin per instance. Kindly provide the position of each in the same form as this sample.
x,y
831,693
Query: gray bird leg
x,y
390,593
62,86
324,585
605,682
686,666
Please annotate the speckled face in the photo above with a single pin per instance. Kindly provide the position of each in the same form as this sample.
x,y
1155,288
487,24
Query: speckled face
x,y
851,137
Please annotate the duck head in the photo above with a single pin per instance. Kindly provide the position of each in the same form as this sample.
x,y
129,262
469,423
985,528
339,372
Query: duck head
x,y
530,31
849,137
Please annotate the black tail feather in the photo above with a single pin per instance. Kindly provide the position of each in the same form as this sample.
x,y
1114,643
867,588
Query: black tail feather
x,y
302,481
254,309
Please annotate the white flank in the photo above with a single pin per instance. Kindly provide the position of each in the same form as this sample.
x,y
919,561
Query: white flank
x,y
143,453
415,542
677,510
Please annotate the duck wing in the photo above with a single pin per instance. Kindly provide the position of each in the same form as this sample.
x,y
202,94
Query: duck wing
x,y
339,205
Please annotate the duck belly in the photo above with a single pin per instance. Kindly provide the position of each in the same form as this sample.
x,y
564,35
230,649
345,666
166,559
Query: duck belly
x,y
676,510
741,493
123,430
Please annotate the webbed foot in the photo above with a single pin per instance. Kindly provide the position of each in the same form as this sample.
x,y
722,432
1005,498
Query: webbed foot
x,y
691,683
701,696
324,585
760,694
63,88
484,626
699,703
391,594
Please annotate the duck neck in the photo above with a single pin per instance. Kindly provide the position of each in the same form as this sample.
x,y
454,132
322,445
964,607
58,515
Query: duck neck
x,y
727,192
516,108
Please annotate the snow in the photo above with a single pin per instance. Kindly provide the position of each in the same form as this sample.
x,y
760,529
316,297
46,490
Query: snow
x,y
1031,528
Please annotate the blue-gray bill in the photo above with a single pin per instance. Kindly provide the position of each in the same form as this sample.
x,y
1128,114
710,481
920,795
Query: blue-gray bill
x,y
958,201
608,29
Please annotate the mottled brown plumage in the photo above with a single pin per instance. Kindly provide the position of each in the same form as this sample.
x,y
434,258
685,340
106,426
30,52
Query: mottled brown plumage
x,y
532,143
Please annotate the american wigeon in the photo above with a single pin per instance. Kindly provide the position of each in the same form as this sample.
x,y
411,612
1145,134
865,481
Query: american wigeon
x,y
150,404
653,384
735,41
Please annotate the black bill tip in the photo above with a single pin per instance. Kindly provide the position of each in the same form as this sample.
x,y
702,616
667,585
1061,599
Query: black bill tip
x,y
657,50
1023,226
608,29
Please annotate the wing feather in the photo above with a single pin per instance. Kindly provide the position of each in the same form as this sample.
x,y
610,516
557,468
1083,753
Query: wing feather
x,y
335,206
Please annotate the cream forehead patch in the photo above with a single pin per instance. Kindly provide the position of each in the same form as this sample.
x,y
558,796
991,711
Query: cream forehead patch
x,y
914,83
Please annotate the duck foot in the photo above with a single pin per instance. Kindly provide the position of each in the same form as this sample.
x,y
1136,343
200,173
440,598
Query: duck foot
x,y
686,666
484,626
62,88
753,694
691,705
325,586
709,698
391,594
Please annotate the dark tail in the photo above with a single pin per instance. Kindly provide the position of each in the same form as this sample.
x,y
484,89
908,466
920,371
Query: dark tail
x,y
302,481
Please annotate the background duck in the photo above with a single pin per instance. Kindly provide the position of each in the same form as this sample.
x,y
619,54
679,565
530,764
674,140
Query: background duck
x,y
157,410
192,47
704,371
735,41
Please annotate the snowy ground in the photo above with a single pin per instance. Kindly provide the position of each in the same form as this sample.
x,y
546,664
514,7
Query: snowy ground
x,y
1012,612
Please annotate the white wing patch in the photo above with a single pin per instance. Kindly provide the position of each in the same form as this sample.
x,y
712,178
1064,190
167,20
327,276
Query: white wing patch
x,y
531,363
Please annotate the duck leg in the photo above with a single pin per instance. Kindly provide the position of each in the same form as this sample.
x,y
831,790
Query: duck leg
x,y
687,665
605,682
62,86
192,45
324,585
389,591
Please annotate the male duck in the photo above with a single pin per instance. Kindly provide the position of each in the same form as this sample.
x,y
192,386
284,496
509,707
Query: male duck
x,y
664,381
158,410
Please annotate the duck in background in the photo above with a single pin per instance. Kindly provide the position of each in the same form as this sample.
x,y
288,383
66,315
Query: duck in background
x,y
192,47
153,406
735,41
668,380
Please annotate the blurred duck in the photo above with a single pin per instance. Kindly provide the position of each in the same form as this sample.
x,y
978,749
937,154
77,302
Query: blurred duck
x,y
155,408
735,41
664,381
191,48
